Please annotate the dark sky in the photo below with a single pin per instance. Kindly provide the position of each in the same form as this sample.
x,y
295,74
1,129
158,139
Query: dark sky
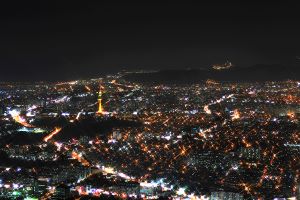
x,y
53,40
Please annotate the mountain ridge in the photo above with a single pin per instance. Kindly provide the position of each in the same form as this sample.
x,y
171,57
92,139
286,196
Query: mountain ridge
x,y
255,73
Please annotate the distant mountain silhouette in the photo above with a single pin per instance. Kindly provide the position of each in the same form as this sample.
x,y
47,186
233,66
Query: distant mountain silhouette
x,y
256,73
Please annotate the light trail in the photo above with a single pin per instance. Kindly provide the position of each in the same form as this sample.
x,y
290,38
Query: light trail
x,y
206,107
48,137
48,194
88,88
114,82
61,99
19,119
204,133
78,115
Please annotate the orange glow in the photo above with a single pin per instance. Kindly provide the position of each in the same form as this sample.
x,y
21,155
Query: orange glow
x,y
19,119
236,115
88,88
211,82
80,159
22,121
48,137
291,114
247,144
100,108
207,110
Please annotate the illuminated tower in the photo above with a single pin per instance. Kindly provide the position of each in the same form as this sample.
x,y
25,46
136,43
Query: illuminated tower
x,y
100,109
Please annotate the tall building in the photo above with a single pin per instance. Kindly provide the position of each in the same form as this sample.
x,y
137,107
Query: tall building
x,y
100,108
40,186
251,154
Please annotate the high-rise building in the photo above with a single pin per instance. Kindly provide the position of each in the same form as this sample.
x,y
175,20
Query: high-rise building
x,y
40,186
251,154
100,108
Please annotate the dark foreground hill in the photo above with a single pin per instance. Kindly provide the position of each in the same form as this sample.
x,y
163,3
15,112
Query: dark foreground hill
x,y
92,127
86,127
257,73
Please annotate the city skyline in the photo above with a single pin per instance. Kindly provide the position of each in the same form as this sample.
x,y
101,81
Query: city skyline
x,y
110,137
136,101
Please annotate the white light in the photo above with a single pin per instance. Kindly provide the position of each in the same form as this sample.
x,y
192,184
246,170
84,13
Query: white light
x,y
7,186
112,141
122,175
14,113
181,192
146,184
65,114
168,137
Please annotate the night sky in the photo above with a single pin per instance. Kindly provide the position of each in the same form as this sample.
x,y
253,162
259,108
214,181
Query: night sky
x,y
54,41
